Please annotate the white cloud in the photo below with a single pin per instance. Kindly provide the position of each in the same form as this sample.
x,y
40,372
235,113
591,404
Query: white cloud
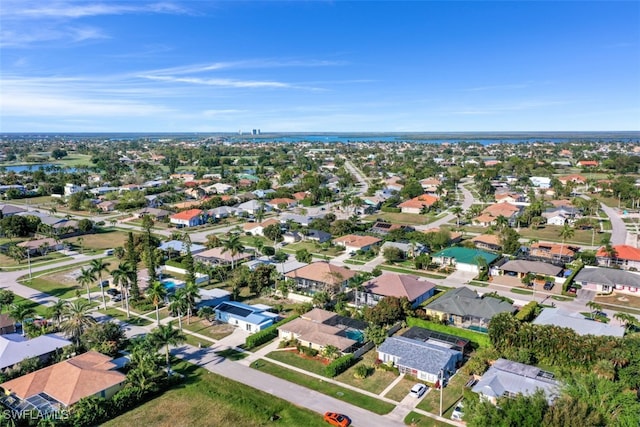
x,y
24,9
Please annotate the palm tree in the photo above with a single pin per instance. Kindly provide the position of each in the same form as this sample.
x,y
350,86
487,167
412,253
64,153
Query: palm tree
x,y
77,319
594,307
57,310
20,312
164,336
234,245
157,292
191,292
178,304
122,276
566,232
85,278
97,267
457,211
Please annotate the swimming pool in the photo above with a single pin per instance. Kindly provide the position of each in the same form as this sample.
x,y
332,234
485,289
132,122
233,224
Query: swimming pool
x,y
354,334
171,284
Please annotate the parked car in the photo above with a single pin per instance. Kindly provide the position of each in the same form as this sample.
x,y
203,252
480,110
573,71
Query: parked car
x,y
336,419
116,298
113,292
572,290
458,412
548,286
104,283
418,390
512,273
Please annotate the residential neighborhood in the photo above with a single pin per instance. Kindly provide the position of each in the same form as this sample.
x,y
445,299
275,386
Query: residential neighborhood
x,y
352,272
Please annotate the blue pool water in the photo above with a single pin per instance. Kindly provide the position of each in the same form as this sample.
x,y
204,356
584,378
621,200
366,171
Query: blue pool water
x,y
170,284
354,335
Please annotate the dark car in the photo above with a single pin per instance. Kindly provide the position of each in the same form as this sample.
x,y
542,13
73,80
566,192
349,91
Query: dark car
x,y
113,292
548,286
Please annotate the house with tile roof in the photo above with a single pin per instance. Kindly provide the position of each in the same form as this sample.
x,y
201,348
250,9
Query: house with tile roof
x,y
491,213
319,328
321,276
464,308
553,252
588,163
282,203
506,378
353,242
523,267
624,256
490,242
218,256
415,289
574,178
65,383
509,197
424,360
417,204
188,218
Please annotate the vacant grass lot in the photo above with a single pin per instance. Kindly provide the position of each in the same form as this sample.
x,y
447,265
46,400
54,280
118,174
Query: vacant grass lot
x,y
402,218
376,382
314,248
203,327
207,399
63,283
50,258
99,241
374,405
291,357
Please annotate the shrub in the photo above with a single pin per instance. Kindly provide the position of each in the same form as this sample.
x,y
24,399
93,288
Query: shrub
x,y
339,365
390,209
312,352
527,312
362,371
265,335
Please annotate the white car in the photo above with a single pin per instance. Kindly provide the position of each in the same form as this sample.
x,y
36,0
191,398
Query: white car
x,y
418,390
458,412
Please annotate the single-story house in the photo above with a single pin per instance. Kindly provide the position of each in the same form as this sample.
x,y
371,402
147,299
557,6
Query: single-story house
x,y
522,267
417,204
212,297
107,206
181,247
188,218
540,181
624,256
248,317
464,308
426,361
222,212
41,246
509,198
491,213
463,259
64,384
282,203
155,213
7,324
222,257
506,378
318,236
408,249
490,242
414,288
291,237
14,348
303,220
9,210
553,252
281,267
606,280
353,243
257,228
253,206
588,163
383,228
321,276
577,322
319,328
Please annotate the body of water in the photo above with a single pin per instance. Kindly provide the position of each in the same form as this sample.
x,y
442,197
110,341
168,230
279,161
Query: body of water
x,y
39,166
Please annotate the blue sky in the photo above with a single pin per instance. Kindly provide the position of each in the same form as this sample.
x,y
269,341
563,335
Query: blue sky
x,y
312,66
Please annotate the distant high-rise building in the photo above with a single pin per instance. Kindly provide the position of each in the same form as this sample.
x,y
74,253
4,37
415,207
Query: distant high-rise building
x,y
254,132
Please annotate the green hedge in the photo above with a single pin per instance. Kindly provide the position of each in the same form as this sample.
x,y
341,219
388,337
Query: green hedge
x,y
478,339
339,365
175,263
527,312
575,271
266,335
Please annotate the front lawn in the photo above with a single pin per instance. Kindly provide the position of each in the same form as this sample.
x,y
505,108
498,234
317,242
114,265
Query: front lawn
x,y
315,248
452,393
291,357
50,258
217,331
41,310
207,399
347,395
401,390
419,420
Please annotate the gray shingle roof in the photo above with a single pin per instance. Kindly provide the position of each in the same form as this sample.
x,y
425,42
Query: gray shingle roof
x,y
419,355
523,266
466,302
607,276
577,322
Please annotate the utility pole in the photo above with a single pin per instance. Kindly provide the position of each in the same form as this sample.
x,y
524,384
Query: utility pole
x,y
441,387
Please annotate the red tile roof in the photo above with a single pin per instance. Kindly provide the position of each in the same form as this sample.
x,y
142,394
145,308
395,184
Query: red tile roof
x,y
357,241
187,215
622,252
419,202
322,272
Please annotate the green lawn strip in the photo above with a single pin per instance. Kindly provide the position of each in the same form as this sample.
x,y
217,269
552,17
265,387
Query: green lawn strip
x,y
198,327
482,340
559,298
196,341
451,394
41,310
415,272
415,419
294,359
401,390
619,308
50,258
353,397
355,262
521,291
376,382
208,399
587,315
122,316
478,283
57,289
551,233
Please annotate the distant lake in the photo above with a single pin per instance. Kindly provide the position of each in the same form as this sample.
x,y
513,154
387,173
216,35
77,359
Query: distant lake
x,y
35,167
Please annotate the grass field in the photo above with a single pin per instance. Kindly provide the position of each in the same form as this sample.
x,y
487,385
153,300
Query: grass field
x,y
292,358
314,248
363,401
375,383
207,399
419,420
50,258
99,241
41,310
478,338
402,218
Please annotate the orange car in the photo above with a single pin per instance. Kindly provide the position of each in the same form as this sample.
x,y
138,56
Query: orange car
x,y
336,419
